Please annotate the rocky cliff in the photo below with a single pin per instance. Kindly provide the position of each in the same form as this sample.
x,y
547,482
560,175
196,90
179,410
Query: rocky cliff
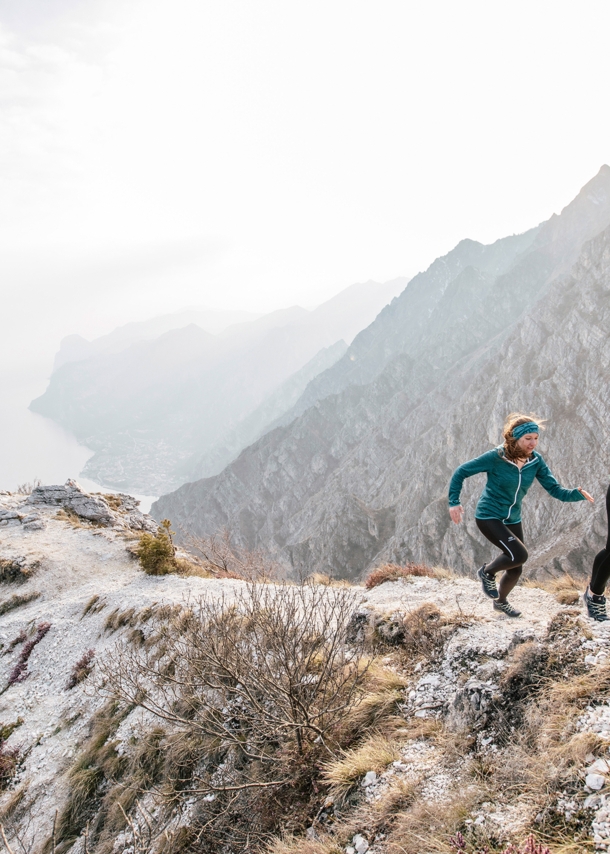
x,y
360,471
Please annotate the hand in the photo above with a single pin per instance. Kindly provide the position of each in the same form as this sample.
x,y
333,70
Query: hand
x,y
586,494
456,514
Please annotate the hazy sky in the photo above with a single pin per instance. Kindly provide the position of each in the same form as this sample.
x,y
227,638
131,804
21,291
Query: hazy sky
x,y
226,153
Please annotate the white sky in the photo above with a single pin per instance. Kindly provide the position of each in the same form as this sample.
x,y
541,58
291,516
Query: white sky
x,y
255,154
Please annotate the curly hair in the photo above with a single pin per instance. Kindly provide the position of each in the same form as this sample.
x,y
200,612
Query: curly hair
x,y
511,450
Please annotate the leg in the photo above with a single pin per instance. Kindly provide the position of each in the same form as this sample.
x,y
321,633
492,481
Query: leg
x,y
601,564
508,538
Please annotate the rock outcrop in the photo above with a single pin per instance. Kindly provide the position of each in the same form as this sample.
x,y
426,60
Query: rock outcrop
x,y
72,751
361,474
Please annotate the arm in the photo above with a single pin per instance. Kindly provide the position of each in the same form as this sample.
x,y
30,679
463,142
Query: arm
x,y
553,487
476,466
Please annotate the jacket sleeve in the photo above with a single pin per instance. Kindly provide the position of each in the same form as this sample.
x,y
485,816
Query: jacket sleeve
x,y
553,487
476,466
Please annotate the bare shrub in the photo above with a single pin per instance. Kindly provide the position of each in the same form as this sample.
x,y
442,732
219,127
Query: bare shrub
x,y
223,559
81,669
27,488
156,552
255,690
394,572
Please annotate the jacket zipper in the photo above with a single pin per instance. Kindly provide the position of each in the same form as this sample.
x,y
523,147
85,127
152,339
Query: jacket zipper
x,y
515,498
518,485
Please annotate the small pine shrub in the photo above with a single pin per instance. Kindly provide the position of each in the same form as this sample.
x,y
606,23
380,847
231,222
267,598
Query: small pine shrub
x,y
81,670
156,552
393,572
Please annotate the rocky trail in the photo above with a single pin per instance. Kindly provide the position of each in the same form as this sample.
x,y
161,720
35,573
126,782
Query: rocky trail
x,y
69,584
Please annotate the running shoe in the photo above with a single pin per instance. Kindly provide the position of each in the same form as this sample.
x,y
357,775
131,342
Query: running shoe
x,y
596,608
506,608
489,583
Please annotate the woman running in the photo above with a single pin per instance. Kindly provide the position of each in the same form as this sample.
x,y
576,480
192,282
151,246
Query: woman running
x,y
511,469
594,594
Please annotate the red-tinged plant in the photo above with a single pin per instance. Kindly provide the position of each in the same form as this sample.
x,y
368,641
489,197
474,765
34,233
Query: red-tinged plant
x,y
20,671
81,669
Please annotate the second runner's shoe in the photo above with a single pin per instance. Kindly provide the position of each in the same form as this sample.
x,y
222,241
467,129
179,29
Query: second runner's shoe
x,y
489,583
596,608
507,608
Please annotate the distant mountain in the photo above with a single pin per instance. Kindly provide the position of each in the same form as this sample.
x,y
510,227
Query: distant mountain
x,y
262,418
358,470
75,348
155,411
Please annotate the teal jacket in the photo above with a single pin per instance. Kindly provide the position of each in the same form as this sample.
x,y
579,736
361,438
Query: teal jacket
x,y
506,485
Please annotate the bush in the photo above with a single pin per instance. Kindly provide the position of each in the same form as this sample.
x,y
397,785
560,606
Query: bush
x,y
257,690
393,572
156,552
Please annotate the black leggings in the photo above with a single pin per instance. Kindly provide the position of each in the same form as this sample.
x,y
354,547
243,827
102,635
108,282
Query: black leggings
x,y
601,563
508,538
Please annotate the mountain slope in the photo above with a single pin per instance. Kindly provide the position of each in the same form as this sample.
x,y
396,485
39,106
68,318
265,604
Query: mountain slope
x,y
521,261
362,474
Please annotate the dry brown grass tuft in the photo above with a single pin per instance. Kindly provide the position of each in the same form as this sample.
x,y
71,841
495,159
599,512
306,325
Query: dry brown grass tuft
x,y
190,568
428,826
328,580
66,514
383,692
375,754
565,588
394,572
297,845
567,591
16,601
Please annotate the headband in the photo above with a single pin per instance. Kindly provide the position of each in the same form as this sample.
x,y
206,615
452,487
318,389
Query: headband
x,y
522,429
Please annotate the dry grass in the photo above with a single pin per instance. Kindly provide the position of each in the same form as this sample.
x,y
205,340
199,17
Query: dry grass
x,y
375,754
66,514
394,572
328,580
17,601
565,588
383,692
297,845
428,826
14,572
118,619
191,568
94,605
